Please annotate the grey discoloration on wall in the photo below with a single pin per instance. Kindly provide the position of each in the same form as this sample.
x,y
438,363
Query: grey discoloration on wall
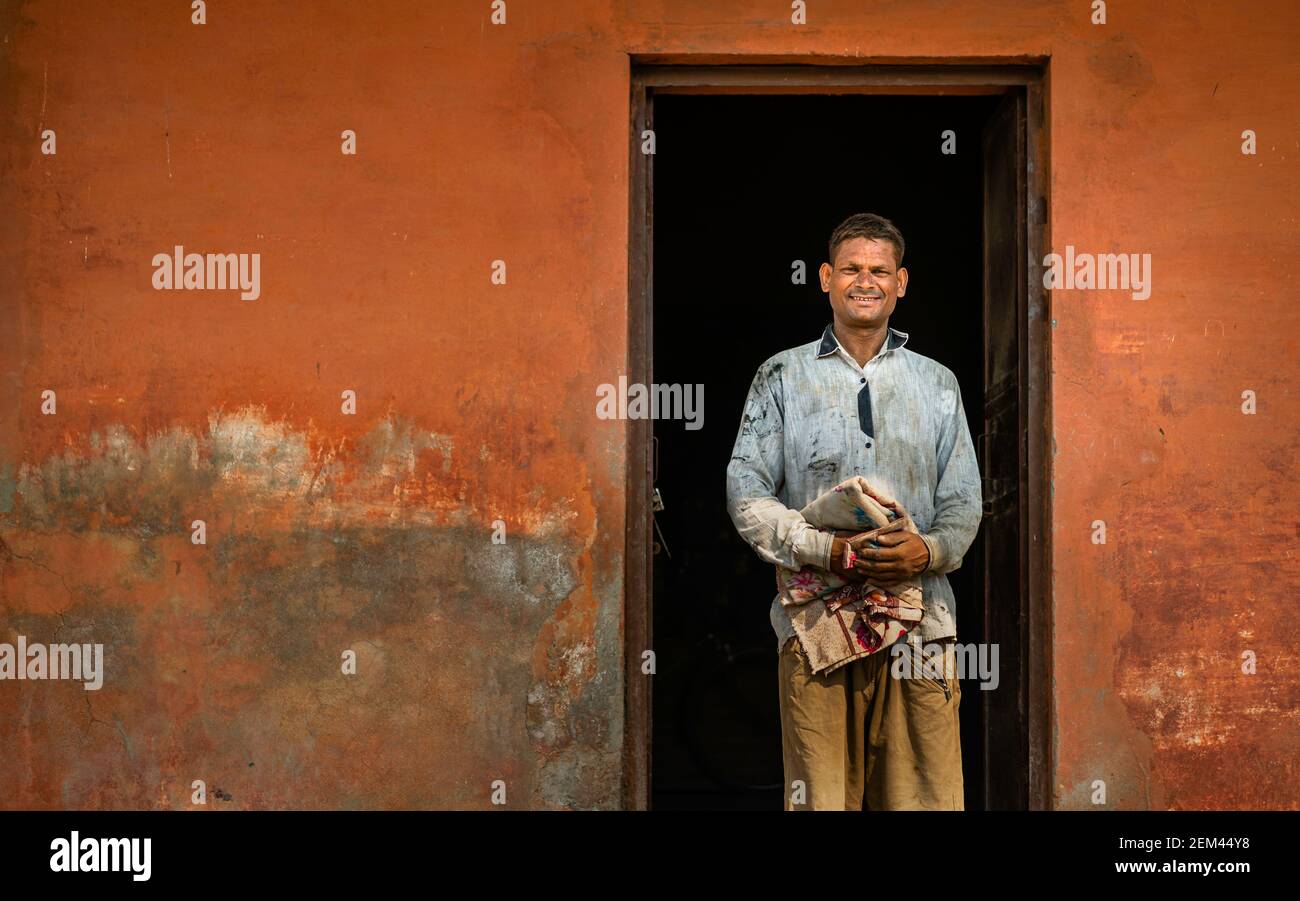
x,y
476,661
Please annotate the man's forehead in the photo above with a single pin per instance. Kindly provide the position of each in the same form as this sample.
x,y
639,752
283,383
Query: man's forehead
x,y
865,250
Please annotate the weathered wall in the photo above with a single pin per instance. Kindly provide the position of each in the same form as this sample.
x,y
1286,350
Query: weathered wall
x,y
475,401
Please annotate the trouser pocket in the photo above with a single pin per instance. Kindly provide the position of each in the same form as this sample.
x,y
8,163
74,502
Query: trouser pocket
x,y
922,671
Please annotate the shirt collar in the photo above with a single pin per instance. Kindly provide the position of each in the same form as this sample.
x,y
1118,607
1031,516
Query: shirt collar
x,y
830,344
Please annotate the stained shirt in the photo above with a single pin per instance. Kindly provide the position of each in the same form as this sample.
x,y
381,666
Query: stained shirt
x,y
814,417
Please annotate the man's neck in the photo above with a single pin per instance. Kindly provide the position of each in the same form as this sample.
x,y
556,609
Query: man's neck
x,y
861,343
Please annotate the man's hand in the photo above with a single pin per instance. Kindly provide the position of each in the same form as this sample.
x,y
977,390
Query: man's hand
x,y
843,559
902,556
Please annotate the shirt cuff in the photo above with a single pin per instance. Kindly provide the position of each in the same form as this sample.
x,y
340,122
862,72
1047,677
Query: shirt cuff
x,y
817,550
936,552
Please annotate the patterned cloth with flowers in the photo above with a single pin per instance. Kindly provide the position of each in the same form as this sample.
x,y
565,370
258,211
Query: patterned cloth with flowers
x,y
838,621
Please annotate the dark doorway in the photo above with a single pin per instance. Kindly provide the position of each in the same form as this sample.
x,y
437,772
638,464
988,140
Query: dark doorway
x,y
744,187
741,186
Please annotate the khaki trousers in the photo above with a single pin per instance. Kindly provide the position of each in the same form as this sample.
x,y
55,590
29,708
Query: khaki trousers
x,y
863,738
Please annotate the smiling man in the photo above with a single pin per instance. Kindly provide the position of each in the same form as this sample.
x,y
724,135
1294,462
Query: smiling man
x,y
856,401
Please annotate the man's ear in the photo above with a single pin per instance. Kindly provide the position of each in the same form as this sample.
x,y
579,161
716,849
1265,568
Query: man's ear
x,y
902,281
824,273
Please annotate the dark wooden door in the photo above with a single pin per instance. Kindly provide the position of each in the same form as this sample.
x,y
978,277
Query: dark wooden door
x,y
1002,450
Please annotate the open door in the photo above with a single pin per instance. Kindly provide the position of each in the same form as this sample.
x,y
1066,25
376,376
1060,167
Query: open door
x,y
1002,449
1007,574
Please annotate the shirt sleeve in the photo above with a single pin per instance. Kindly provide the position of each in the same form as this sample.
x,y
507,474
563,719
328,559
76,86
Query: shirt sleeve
x,y
756,474
958,497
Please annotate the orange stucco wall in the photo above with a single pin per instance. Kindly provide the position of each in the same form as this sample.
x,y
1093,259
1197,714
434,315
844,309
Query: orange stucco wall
x,y
373,532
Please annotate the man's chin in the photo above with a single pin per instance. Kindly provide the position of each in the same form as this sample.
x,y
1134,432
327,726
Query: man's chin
x,y
863,319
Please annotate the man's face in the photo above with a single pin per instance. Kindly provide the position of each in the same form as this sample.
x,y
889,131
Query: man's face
x,y
864,282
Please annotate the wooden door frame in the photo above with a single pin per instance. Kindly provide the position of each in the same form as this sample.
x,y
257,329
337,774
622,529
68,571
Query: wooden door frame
x,y
688,74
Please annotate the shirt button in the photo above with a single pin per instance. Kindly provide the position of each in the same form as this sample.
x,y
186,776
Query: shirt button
x,y
868,444
862,382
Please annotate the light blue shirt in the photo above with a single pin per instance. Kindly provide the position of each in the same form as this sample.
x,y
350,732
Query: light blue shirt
x,y
814,417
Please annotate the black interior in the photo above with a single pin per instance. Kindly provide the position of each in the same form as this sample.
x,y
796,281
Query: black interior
x,y
743,186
